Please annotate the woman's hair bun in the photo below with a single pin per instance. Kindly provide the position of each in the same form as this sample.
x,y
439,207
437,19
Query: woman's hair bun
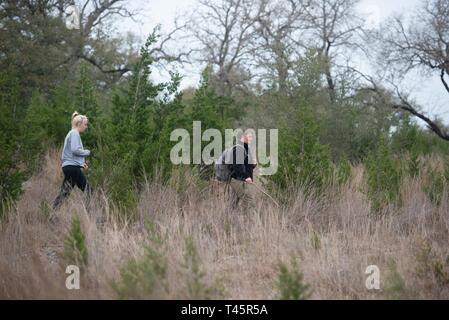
x,y
75,114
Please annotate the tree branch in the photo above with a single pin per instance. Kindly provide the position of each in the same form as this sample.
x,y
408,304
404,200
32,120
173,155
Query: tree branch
x,y
91,60
444,81
405,105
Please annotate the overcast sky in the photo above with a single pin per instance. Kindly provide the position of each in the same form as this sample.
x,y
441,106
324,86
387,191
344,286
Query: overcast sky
x,y
428,91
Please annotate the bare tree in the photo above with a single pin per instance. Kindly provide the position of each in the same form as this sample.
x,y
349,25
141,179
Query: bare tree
x,y
41,25
94,12
279,42
92,34
423,44
333,24
56,49
163,51
224,29
398,100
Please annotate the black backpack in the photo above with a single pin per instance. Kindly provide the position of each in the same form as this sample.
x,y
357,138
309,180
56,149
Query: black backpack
x,y
223,165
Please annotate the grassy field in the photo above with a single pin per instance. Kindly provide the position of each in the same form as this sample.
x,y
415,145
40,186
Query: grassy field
x,y
186,244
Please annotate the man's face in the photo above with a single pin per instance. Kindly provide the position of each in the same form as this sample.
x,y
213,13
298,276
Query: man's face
x,y
248,138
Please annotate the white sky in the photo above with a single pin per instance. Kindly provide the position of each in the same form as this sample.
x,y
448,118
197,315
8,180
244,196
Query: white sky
x,y
428,91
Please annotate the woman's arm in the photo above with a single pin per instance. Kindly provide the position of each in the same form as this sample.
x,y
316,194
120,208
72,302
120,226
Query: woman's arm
x,y
76,146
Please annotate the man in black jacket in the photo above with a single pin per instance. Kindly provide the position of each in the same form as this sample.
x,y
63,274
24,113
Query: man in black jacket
x,y
242,193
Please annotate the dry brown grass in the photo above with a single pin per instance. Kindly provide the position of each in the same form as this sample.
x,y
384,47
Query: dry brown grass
x,y
333,240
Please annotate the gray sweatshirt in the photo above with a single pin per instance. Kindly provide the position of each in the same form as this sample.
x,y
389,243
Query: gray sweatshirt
x,y
73,153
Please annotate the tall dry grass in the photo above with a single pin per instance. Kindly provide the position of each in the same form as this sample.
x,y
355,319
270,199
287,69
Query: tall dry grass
x,y
333,239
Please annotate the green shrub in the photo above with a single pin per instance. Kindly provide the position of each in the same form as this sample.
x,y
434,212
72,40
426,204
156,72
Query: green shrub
x,y
438,184
384,177
86,103
290,283
45,210
12,173
196,287
135,141
144,278
343,170
431,268
395,287
75,250
315,240
303,160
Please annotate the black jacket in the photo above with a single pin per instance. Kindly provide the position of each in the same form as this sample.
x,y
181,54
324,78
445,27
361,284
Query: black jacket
x,y
241,171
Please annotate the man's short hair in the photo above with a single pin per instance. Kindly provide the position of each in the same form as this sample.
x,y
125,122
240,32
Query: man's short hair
x,y
242,131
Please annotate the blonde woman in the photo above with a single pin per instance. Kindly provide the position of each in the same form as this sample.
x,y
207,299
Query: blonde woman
x,y
73,160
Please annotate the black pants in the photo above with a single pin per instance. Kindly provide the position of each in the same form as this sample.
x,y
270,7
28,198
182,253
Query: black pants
x,y
73,175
